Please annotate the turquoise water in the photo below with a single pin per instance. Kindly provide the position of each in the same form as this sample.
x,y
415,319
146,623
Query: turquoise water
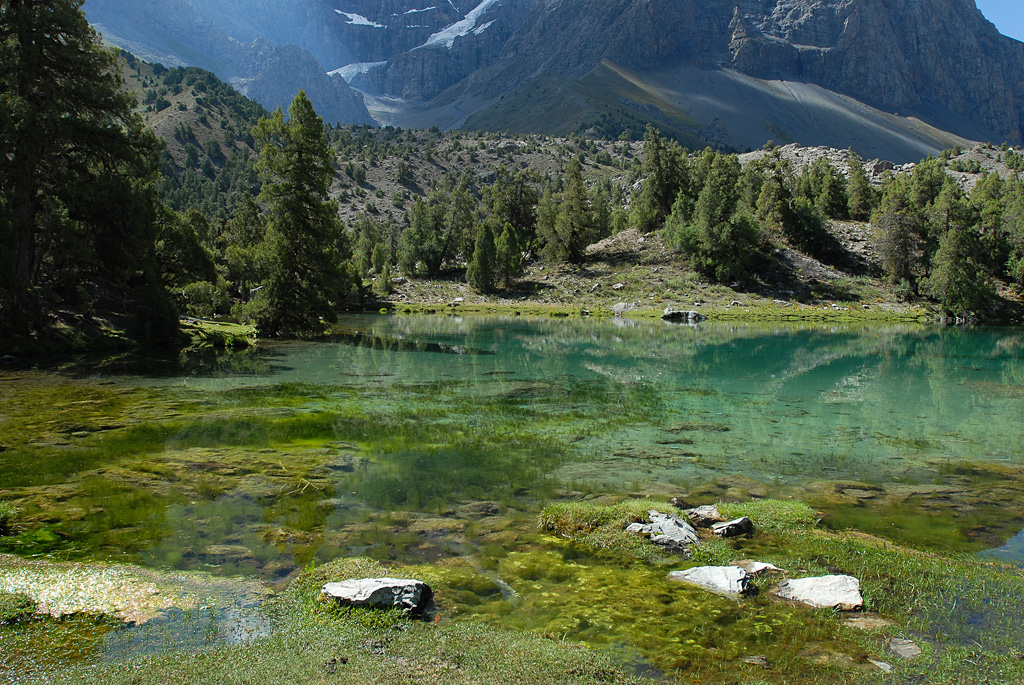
x,y
384,439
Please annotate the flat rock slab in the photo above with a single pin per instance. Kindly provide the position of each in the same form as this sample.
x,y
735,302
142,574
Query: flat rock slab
x,y
836,592
734,528
381,593
725,580
868,622
904,649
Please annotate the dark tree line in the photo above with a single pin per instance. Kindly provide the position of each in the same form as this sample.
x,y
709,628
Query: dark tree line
x,y
78,204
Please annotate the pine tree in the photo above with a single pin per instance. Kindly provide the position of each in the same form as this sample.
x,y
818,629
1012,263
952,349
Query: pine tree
x,y
480,272
957,280
567,236
900,225
305,244
720,242
77,173
509,257
861,197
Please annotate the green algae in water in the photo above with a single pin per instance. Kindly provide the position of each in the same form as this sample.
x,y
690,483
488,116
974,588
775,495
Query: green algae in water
x,y
313,450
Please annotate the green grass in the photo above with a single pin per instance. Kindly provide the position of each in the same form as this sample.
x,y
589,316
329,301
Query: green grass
x,y
15,606
773,516
601,528
9,513
313,642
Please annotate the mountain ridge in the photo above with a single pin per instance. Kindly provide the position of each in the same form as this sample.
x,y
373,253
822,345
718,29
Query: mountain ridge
x,y
898,78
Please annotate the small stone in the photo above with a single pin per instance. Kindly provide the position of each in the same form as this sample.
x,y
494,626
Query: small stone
x,y
638,529
381,593
734,528
867,622
757,661
882,666
725,580
618,286
836,592
904,649
705,516
756,568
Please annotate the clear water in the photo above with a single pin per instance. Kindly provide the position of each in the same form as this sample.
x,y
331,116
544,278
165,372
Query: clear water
x,y
425,414
433,439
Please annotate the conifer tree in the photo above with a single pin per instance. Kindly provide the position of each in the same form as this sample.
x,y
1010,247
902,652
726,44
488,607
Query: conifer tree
x,y
77,173
509,255
306,247
900,225
861,197
567,236
480,272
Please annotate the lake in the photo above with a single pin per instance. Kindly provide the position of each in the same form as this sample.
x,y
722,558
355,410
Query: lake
x,y
437,440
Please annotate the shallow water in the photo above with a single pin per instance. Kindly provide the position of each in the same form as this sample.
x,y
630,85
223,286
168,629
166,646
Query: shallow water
x,y
420,439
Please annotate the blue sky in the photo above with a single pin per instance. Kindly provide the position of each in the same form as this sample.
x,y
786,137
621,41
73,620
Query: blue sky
x,y
1007,15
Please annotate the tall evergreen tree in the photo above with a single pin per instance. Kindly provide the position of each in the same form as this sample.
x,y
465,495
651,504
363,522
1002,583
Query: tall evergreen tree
x,y
861,197
77,172
509,255
566,236
720,242
480,272
306,246
900,224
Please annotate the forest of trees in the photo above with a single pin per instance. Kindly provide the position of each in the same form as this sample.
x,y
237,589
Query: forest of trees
x,y
95,215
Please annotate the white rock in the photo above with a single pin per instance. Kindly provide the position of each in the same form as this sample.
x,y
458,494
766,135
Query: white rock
x,y
755,568
882,666
381,593
672,527
725,580
838,592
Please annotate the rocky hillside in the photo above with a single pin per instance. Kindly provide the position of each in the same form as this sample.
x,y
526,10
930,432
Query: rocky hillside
x,y
877,75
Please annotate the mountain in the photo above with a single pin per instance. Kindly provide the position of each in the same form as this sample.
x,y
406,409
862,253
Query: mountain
x,y
891,78
180,33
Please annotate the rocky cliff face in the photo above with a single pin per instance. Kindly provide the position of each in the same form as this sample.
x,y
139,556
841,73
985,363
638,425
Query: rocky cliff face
x,y
276,71
892,54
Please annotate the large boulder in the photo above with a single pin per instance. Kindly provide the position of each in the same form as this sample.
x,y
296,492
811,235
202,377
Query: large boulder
x,y
381,593
682,316
836,592
725,580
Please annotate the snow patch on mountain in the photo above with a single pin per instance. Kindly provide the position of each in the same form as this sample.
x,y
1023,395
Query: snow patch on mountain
x,y
360,20
350,71
425,9
464,27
